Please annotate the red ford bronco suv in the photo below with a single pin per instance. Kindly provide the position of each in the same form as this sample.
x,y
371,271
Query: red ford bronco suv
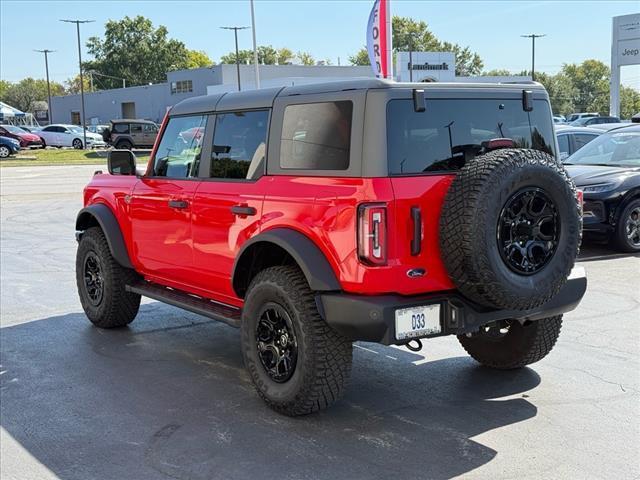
x,y
314,216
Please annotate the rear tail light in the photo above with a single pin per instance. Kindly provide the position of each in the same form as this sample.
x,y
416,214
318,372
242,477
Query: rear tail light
x,y
372,234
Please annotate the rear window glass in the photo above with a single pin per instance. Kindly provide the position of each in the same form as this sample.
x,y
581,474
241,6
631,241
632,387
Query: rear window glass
x,y
316,136
451,131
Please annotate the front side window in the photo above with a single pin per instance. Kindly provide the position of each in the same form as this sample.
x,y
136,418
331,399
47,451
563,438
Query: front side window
x,y
452,131
239,145
178,154
581,139
316,136
136,128
149,128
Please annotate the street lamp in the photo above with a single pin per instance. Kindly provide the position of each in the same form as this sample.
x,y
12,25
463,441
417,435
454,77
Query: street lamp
x,y
84,129
533,37
46,66
235,32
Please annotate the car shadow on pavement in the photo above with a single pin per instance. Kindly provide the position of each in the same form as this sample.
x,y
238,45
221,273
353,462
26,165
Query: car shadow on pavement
x,y
169,396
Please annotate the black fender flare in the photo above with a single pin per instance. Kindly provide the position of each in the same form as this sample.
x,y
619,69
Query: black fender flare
x,y
307,255
110,227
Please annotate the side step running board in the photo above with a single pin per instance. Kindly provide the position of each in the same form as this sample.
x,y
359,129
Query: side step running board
x,y
202,306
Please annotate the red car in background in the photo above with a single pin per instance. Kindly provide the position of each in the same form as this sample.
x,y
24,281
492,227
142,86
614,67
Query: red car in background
x,y
26,139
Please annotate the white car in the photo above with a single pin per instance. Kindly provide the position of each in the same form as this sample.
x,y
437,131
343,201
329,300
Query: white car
x,y
60,135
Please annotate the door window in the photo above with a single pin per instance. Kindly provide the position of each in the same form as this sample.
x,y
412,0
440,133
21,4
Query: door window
x,y
178,154
136,128
121,128
239,145
563,145
581,139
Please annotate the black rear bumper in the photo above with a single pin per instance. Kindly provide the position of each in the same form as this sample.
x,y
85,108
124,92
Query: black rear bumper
x,y
372,318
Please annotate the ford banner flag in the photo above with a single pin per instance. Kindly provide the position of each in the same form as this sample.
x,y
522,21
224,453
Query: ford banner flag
x,y
379,39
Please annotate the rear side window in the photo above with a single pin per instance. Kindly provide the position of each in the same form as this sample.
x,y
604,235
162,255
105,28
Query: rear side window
x,y
316,136
121,127
239,145
178,154
451,131
563,145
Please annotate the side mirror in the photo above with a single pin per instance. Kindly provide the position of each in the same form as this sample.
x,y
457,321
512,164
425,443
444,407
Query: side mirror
x,y
121,162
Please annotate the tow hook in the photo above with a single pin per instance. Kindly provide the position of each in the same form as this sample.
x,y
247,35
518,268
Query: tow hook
x,y
414,348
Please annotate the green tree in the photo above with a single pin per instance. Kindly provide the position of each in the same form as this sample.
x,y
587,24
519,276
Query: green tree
x,y
72,85
132,48
409,34
284,56
497,72
198,59
24,93
562,92
245,56
629,102
4,88
591,82
305,58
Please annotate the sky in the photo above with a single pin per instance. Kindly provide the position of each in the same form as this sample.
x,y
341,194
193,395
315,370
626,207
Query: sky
x,y
328,29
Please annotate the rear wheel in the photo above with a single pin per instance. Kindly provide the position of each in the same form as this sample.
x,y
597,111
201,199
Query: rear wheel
x,y
297,363
102,282
124,145
627,234
510,344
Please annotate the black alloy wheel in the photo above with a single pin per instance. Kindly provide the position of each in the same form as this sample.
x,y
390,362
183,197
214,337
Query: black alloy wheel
x,y
276,343
632,227
528,231
93,278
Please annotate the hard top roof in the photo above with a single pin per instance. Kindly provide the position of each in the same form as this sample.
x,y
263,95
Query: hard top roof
x,y
264,98
130,120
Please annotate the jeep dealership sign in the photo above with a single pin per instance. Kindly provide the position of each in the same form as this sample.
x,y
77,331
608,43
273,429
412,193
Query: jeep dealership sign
x,y
625,50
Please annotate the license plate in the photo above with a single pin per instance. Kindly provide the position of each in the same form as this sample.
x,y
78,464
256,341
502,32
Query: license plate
x,y
417,321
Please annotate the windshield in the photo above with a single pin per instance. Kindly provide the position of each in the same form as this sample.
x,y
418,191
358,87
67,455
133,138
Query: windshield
x,y
615,149
12,129
452,131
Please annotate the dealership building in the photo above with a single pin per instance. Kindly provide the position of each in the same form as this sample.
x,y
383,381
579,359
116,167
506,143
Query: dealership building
x,y
152,101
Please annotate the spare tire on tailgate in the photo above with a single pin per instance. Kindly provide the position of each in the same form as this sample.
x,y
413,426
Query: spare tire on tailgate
x,y
510,228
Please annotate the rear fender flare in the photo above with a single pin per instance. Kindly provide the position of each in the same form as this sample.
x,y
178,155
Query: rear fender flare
x,y
313,263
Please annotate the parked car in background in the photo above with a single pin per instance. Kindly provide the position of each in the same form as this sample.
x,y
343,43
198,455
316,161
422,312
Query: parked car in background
x,y
28,129
590,121
607,170
559,119
571,139
575,116
8,146
26,140
636,118
605,127
127,134
97,128
61,135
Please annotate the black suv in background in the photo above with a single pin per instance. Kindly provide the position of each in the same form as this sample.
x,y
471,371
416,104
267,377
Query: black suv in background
x,y
127,134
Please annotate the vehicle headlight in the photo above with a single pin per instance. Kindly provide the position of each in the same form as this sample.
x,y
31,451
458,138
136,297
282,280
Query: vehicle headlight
x,y
599,188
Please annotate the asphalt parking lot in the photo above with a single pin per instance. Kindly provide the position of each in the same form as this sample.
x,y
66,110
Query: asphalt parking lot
x,y
169,398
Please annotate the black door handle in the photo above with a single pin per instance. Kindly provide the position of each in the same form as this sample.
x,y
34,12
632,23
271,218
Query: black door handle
x,y
416,241
243,210
178,204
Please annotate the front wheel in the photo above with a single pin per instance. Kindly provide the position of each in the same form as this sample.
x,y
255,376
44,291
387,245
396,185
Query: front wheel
x,y
510,344
77,144
102,283
297,363
4,151
627,234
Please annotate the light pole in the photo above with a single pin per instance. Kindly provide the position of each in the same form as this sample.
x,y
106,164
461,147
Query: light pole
x,y
84,129
235,31
46,66
255,48
533,37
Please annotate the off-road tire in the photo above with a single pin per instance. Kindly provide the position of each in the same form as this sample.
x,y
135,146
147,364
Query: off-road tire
x,y
619,238
124,145
522,345
117,307
469,225
324,356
